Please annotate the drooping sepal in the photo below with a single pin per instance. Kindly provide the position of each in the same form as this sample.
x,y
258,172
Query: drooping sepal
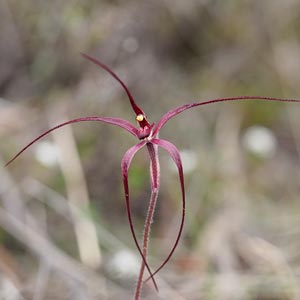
x,y
114,121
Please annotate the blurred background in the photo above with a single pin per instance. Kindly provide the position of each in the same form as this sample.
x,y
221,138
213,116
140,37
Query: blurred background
x,y
64,232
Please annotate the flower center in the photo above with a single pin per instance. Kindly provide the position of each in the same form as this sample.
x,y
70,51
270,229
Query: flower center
x,y
145,132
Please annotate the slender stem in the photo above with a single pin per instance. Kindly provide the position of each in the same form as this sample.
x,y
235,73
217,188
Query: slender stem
x,y
155,174
146,235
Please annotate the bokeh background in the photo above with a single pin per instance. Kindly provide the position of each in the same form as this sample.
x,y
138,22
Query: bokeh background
x,y
64,232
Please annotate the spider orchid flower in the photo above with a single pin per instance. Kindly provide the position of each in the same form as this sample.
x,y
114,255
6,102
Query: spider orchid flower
x,y
147,136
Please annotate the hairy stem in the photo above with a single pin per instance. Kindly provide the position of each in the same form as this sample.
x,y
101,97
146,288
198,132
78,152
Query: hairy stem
x,y
154,172
146,235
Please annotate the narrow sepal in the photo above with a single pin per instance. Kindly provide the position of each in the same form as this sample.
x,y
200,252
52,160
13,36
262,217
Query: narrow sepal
x,y
114,121
125,164
174,112
135,107
174,153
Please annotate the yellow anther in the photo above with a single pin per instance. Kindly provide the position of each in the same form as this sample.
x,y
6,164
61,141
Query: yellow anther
x,y
139,118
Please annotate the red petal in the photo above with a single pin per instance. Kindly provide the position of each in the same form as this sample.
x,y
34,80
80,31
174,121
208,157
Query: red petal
x,y
154,168
174,112
173,151
125,164
135,107
115,121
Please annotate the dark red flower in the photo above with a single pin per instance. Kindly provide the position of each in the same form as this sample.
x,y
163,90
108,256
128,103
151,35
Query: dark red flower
x,y
147,134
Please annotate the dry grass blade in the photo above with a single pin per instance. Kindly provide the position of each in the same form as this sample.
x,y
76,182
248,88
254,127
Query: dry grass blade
x,y
77,195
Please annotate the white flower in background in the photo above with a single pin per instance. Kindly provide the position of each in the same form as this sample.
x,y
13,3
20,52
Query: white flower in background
x,y
130,44
47,153
260,141
125,264
189,161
